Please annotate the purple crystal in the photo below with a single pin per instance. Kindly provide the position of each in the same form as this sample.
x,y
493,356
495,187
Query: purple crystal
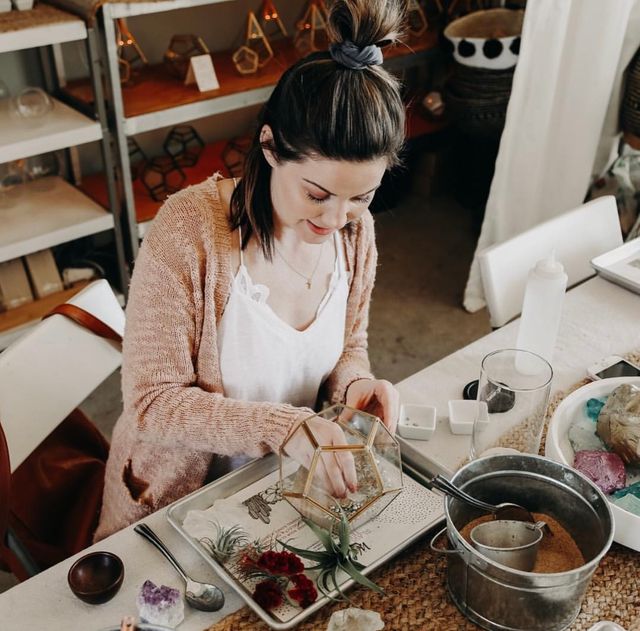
x,y
160,605
604,468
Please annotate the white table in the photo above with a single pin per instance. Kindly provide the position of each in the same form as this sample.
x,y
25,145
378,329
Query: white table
x,y
599,319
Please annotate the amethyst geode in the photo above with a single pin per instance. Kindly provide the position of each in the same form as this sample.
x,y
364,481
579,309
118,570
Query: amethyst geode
x,y
604,468
160,605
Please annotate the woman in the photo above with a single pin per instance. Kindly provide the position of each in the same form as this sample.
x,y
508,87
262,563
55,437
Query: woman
x,y
250,300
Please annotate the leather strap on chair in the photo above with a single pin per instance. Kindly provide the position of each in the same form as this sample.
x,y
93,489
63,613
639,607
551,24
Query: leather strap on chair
x,y
86,320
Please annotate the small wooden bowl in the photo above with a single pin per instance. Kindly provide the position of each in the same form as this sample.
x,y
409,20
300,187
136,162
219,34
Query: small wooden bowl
x,y
96,577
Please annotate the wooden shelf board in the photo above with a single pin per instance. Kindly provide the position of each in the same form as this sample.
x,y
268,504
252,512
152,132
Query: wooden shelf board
x,y
61,127
14,322
41,26
155,91
125,9
209,162
40,219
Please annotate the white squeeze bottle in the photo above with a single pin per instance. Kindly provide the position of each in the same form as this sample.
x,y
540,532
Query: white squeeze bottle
x,y
541,309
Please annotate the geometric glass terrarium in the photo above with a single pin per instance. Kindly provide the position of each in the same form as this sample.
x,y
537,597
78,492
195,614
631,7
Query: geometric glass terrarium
x,y
370,452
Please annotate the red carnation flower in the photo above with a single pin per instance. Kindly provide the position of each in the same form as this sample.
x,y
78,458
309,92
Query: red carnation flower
x,y
304,593
280,563
268,594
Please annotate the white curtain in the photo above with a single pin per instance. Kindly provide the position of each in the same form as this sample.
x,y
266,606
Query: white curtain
x,y
571,59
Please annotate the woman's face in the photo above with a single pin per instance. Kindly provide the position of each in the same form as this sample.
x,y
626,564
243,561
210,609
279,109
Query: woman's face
x,y
317,196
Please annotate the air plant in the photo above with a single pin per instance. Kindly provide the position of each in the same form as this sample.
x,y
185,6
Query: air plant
x,y
225,543
337,555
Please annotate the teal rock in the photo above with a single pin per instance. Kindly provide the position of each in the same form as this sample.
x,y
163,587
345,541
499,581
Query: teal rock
x,y
633,489
630,503
593,407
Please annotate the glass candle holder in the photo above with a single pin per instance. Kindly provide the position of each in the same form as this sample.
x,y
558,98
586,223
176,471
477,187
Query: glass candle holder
x,y
367,445
41,170
32,103
11,177
513,392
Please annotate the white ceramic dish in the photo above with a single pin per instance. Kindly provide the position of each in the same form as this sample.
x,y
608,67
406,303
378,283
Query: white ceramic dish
x,y
417,422
462,415
558,447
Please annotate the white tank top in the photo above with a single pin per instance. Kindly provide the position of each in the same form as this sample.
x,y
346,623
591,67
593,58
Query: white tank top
x,y
263,358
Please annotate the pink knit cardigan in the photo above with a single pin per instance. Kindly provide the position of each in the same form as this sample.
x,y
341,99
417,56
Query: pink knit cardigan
x,y
175,415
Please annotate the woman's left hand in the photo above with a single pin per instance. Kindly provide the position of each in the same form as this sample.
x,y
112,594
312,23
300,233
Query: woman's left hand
x,y
376,396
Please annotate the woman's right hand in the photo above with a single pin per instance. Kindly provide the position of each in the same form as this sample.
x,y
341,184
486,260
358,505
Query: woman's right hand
x,y
336,471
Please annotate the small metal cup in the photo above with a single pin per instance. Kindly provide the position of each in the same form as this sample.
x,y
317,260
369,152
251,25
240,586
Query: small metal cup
x,y
511,543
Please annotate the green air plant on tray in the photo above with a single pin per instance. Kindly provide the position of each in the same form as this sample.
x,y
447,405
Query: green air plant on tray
x,y
225,543
337,555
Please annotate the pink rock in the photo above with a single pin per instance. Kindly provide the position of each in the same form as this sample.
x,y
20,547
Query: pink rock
x,y
604,468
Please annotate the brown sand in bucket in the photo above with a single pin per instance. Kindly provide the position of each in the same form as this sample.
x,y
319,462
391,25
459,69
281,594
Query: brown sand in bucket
x,y
557,553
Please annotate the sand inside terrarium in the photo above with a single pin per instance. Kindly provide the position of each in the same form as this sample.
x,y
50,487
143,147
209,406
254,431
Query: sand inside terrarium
x,y
557,553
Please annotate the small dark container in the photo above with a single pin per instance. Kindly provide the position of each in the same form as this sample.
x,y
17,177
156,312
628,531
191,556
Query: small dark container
x,y
96,577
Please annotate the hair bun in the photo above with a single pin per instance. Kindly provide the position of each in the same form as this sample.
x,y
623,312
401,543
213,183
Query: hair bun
x,y
365,22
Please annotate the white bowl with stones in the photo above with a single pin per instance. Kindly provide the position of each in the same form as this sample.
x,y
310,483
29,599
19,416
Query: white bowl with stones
x,y
558,447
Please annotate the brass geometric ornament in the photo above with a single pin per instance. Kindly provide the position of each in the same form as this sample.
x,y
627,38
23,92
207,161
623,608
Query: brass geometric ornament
x,y
313,21
269,15
416,19
369,449
257,40
130,56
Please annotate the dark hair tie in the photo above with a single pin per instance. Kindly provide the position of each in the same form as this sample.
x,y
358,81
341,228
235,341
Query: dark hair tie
x,y
351,56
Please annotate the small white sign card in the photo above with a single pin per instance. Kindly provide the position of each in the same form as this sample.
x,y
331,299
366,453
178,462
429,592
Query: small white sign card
x,y
202,72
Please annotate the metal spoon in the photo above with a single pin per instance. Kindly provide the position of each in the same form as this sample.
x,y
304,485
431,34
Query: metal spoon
x,y
504,510
202,596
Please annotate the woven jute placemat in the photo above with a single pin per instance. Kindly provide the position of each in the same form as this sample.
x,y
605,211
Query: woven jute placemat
x,y
416,596
40,15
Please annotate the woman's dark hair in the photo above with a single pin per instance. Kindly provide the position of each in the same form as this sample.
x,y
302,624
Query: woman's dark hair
x,y
321,108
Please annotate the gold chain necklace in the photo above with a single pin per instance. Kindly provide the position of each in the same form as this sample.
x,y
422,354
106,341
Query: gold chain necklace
x,y
307,279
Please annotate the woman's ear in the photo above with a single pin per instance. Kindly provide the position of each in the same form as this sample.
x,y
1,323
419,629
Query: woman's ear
x,y
266,137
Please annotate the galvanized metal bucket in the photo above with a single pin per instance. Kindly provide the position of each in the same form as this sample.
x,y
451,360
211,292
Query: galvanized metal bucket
x,y
504,599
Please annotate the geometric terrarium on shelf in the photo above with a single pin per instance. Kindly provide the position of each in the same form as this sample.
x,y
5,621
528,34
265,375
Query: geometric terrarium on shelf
x,y
370,453
256,50
137,157
184,145
130,56
313,21
245,60
161,176
181,49
417,24
234,154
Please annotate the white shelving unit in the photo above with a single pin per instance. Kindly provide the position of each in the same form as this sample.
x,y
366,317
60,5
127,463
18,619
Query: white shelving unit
x,y
48,212
62,127
45,35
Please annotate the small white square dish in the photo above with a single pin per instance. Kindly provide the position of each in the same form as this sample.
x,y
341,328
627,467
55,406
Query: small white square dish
x,y
417,422
462,415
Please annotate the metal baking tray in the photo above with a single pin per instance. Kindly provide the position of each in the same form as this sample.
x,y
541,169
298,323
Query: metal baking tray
x,y
234,482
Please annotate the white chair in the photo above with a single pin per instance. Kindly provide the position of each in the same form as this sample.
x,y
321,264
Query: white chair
x,y
50,370
576,237
44,375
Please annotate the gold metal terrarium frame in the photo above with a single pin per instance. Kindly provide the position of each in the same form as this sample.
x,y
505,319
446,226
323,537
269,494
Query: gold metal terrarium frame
x,y
334,512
